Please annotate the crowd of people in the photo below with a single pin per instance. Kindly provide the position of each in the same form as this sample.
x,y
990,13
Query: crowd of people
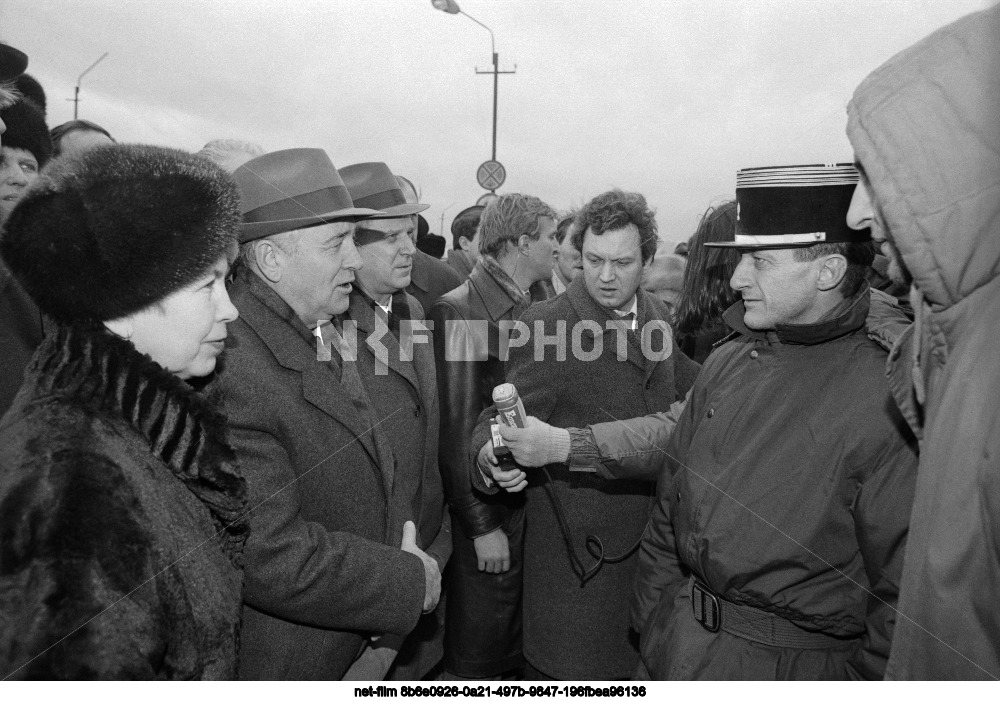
x,y
249,425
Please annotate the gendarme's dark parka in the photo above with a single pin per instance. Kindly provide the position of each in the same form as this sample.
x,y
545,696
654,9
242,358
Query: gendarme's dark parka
x,y
787,488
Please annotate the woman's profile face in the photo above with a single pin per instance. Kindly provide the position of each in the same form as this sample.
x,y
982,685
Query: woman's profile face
x,y
185,332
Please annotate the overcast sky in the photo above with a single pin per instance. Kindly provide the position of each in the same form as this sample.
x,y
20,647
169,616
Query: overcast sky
x,y
666,97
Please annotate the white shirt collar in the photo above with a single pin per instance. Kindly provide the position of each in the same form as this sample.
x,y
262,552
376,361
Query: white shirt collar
x,y
633,311
557,284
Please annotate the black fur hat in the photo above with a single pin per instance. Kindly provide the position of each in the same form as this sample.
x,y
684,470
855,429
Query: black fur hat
x,y
118,229
31,89
26,129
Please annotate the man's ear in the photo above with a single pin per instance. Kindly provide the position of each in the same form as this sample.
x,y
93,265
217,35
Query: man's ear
x,y
523,242
832,272
268,258
464,243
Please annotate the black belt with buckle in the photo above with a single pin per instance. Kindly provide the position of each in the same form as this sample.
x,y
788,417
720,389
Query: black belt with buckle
x,y
706,606
715,613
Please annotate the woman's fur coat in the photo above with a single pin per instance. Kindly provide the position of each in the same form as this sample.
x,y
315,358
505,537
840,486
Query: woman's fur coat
x,y
120,538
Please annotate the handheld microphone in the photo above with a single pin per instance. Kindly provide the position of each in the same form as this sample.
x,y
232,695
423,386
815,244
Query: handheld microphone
x,y
508,404
510,410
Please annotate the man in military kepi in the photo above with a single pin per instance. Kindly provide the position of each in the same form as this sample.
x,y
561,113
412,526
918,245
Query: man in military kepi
x,y
775,545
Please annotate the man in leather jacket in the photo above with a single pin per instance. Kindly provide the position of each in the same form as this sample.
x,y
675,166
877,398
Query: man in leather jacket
x,y
483,580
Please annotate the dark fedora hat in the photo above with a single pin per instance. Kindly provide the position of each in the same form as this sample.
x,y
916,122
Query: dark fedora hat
x,y
794,206
292,189
373,185
12,62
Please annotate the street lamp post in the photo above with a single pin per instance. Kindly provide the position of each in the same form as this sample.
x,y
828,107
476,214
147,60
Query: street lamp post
x,y
442,215
76,95
452,8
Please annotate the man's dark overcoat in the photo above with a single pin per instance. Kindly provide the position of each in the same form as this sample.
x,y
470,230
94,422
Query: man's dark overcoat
x,y
572,632
397,371
324,570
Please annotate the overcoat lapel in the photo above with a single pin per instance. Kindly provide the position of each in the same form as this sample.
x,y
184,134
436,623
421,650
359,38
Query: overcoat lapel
x,y
646,312
423,357
371,324
291,350
587,309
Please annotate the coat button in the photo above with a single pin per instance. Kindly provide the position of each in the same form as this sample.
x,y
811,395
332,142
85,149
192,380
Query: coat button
x,y
754,354
711,413
416,410
678,496
649,383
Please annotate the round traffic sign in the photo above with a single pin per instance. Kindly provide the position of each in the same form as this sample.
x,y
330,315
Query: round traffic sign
x,y
491,175
486,198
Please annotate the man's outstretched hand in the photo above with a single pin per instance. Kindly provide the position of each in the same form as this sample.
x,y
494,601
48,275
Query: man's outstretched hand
x,y
536,444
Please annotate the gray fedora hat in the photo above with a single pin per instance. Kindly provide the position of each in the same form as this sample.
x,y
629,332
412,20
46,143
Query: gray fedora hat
x,y
292,189
373,185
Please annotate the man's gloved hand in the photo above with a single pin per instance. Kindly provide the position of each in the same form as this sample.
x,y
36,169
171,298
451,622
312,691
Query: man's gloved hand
x,y
493,552
432,575
536,444
513,480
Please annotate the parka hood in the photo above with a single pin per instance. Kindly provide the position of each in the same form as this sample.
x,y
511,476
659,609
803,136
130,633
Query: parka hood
x,y
925,127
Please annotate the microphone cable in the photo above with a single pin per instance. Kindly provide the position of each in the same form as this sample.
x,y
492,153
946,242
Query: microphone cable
x,y
593,544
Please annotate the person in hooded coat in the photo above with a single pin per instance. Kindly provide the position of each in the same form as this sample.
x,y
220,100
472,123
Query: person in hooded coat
x,y
924,131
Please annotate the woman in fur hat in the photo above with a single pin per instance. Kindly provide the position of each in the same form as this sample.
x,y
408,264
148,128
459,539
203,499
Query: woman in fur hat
x,y
120,500
26,148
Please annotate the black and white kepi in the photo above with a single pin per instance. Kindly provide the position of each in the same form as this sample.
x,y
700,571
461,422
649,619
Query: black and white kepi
x,y
793,206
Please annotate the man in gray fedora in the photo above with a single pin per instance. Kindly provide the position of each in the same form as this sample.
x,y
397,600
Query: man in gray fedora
x,y
332,560
395,360
430,277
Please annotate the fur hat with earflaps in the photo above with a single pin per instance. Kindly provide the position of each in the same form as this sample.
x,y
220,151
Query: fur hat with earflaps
x,y
118,229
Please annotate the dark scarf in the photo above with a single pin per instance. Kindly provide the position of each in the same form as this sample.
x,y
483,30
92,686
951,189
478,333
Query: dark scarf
x,y
96,369
521,300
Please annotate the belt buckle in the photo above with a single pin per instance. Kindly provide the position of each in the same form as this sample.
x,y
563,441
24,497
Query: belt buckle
x,y
709,616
